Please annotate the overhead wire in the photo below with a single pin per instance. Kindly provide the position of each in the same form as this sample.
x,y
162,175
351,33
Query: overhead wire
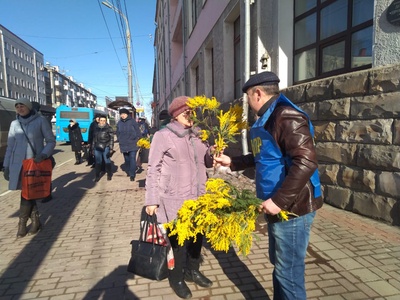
x,y
112,42
135,76
122,29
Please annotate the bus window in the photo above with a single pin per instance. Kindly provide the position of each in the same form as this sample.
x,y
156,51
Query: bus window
x,y
83,115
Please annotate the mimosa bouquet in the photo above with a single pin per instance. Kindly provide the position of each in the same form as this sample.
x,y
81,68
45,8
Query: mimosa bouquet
x,y
221,126
143,143
224,215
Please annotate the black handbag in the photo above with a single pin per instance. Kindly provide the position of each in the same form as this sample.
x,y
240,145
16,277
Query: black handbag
x,y
148,259
100,147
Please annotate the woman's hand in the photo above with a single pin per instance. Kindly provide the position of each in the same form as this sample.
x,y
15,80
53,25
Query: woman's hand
x,y
151,209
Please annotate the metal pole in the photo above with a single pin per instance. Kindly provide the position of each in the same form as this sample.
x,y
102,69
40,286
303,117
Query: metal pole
x,y
128,43
128,46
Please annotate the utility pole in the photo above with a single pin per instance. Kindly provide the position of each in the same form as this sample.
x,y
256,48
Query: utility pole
x,y
128,46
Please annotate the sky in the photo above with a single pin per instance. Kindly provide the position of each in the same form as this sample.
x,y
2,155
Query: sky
x,y
84,38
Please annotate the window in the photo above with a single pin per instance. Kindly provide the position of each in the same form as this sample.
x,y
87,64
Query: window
x,y
196,9
331,37
197,80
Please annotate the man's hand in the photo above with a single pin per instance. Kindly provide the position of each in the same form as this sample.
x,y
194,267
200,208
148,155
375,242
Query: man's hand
x,y
6,174
269,207
39,158
221,160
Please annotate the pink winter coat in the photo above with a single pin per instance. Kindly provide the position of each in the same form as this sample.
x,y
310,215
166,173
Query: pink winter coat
x,y
176,170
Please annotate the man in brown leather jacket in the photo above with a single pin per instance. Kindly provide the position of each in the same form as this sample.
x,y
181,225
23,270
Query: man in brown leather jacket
x,y
287,179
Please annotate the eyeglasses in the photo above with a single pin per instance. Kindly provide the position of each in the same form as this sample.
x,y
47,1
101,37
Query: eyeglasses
x,y
188,113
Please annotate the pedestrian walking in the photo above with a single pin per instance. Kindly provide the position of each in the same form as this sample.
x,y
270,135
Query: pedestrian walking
x,y
128,134
28,125
103,146
76,140
286,178
177,172
92,127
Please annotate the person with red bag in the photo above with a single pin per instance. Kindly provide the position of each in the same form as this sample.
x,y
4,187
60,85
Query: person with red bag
x,y
30,136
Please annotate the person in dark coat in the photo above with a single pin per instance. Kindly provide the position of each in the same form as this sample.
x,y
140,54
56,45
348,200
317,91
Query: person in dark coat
x,y
75,137
92,128
103,147
128,134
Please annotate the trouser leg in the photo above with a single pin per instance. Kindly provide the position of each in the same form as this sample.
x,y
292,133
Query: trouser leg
x,y
109,171
288,243
97,168
132,164
126,163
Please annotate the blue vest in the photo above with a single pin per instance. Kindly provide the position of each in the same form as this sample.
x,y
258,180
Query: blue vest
x,y
270,163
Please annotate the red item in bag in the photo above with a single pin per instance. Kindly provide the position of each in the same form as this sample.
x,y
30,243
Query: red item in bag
x,y
36,179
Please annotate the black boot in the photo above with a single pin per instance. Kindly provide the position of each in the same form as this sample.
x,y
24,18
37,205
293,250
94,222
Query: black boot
x,y
97,168
77,158
109,172
198,278
181,289
25,209
36,226
193,260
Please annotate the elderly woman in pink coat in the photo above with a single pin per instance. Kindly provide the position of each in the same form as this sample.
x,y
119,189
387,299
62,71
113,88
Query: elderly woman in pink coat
x,y
176,172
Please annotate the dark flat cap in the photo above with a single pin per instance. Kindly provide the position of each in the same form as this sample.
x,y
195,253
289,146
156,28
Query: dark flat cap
x,y
264,78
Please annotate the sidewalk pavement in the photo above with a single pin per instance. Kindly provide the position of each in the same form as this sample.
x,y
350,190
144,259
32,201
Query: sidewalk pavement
x,y
83,250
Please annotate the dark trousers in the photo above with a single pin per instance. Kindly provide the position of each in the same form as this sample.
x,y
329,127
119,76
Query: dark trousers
x,y
187,256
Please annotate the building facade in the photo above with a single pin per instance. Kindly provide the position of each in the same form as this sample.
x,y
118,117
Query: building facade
x,y
62,89
339,60
20,69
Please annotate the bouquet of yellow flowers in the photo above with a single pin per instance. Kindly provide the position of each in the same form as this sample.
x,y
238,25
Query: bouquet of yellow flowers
x,y
224,215
143,143
207,111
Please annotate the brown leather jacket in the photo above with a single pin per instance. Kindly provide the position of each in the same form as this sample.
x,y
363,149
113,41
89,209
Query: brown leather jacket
x,y
290,130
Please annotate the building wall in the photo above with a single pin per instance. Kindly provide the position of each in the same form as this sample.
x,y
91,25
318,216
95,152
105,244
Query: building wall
x,y
387,36
357,135
356,114
21,66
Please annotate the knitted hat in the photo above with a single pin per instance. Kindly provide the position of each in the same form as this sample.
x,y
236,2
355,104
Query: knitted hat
x,y
178,106
25,102
123,111
264,78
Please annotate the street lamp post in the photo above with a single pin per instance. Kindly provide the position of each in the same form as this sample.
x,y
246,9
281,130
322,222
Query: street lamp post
x,y
128,43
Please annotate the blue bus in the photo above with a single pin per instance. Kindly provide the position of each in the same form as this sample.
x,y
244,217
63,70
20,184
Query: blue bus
x,y
83,115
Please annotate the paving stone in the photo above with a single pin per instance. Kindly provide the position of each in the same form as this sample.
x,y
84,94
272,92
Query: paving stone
x,y
84,248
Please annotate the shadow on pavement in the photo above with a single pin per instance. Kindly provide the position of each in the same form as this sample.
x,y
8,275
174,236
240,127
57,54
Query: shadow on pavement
x,y
112,286
67,194
239,274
